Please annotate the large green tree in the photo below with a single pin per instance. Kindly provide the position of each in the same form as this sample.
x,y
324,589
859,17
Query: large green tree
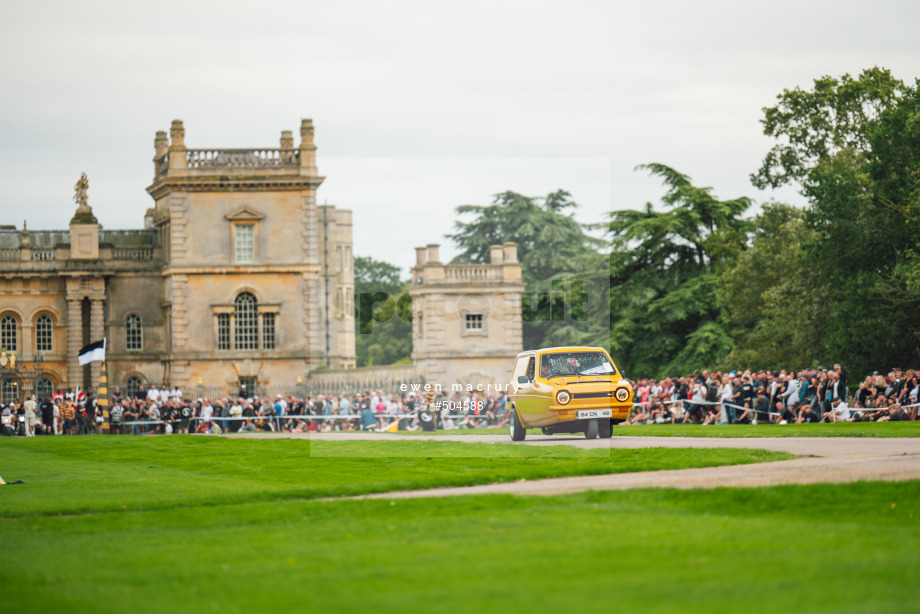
x,y
565,298
851,146
664,268
774,306
812,126
383,314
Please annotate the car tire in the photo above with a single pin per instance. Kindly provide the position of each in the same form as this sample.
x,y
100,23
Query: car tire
x,y
517,431
605,429
546,431
591,429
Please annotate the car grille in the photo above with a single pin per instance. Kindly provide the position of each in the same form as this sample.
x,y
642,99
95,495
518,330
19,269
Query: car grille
x,y
592,395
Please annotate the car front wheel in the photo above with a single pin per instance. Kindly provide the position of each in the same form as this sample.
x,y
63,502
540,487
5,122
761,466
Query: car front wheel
x,y
605,430
517,431
591,429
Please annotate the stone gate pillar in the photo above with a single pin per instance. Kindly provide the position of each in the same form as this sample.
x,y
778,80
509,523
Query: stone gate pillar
x,y
74,341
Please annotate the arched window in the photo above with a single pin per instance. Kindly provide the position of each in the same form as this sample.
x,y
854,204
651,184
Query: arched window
x,y
44,388
9,390
44,333
134,333
133,384
9,333
247,322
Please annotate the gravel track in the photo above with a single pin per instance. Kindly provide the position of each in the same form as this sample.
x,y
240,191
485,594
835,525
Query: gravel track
x,y
822,459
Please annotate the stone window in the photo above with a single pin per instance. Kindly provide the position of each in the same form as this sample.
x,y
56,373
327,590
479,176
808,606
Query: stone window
x,y
9,333
134,333
247,322
474,323
345,302
132,385
244,234
44,333
268,331
250,384
44,388
223,331
245,243
9,391
343,259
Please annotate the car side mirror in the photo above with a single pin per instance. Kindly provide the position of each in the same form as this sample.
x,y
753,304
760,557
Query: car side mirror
x,y
523,379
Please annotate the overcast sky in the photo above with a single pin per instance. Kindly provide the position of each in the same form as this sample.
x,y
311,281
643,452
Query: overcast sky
x,y
418,106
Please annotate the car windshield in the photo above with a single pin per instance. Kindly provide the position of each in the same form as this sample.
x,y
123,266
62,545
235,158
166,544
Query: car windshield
x,y
575,363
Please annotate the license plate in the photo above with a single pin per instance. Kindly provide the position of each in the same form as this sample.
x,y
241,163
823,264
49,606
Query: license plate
x,y
593,413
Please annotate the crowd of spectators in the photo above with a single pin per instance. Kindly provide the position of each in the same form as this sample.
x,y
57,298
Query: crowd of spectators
x,y
166,411
779,397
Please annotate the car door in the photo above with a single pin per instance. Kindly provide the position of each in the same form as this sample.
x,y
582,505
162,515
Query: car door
x,y
533,397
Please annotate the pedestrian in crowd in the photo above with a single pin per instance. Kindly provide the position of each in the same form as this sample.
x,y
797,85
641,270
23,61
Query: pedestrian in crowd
x,y
739,397
46,407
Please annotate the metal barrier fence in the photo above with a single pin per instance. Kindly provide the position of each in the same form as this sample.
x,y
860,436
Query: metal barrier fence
x,y
686,403
274,423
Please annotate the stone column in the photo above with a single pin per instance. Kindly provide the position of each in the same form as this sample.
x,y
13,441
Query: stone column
x,y
27,349
74,342
96,333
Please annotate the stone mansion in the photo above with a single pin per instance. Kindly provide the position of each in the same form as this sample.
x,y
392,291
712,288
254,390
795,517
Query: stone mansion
x,y
237,277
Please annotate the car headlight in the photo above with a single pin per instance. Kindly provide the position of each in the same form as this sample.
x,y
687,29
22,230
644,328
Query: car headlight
x,y
622,394
563,397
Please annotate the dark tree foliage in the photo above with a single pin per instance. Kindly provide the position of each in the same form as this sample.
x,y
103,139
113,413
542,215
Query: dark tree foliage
x,y
664,269
774,306
852,146
383,314
565,298
811,126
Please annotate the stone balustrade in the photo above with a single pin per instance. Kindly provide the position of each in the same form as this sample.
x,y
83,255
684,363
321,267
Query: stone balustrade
x,y
43,253
9,254
242,158
132,253
472,272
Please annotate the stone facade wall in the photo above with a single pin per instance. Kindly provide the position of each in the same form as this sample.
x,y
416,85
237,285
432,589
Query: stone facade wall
x,y
466,317
365,379
184,269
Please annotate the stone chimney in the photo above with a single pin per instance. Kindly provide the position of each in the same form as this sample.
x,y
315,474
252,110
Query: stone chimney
x,y
496,254
433,256
160,147
510,249
307,148
177,149
421,256
287,139
177,134
160,144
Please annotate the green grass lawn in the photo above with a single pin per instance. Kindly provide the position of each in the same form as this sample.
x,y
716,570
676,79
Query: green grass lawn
x,y
820,548
839,429
77,474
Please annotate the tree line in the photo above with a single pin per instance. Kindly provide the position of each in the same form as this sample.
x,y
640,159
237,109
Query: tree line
x,y
695,282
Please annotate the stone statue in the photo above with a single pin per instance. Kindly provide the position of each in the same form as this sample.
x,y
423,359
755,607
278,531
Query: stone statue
x,y
80,188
